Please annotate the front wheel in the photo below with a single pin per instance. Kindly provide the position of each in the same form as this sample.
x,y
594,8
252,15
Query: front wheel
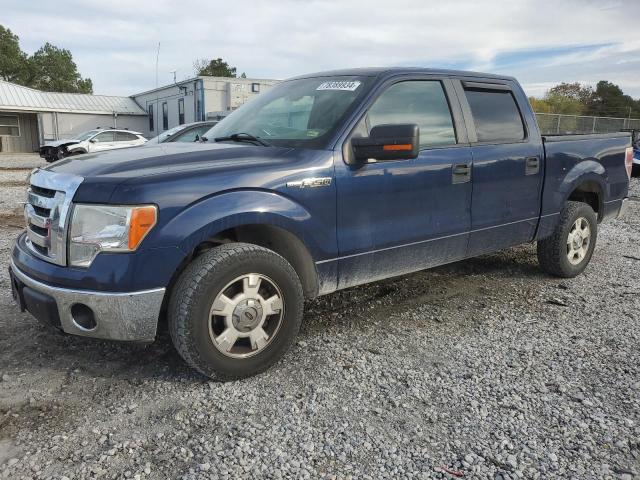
x,y
235,310
567,252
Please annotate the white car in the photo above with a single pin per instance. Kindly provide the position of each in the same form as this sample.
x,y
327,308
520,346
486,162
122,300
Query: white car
x,y
92,141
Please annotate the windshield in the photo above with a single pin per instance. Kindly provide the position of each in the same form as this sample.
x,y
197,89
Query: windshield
x,y
164,135
86,135
296,113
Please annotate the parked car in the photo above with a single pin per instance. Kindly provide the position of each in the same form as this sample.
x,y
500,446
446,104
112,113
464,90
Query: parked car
x,y
325,182
96,140
635,141
188,132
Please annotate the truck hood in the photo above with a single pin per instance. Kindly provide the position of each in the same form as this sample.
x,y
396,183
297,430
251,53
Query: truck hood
x,y
126,163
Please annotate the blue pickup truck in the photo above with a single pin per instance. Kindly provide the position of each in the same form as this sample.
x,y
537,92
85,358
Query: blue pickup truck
x,y
325,182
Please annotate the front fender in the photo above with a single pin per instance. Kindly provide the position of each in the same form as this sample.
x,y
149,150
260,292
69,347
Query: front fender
x,y
76,147
210,216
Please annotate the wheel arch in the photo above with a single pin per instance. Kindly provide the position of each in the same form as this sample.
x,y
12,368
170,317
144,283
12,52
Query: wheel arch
x,y
586,182
591,193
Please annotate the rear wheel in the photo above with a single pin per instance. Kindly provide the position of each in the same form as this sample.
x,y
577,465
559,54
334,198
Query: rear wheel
x,y
235,310
567,252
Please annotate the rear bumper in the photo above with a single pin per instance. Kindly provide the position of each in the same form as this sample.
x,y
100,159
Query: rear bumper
x,y
131,316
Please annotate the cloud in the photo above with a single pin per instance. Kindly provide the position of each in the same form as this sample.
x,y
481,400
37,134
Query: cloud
x,y
539,41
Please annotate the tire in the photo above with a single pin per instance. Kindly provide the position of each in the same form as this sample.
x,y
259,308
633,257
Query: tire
x,y
635,170
199,326
554,252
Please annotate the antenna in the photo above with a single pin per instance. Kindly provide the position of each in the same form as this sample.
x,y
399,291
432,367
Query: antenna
x,y
174,75
157,112
157,58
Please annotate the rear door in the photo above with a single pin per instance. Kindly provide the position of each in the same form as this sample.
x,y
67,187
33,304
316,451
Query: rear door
x,y
126,139
507,165
399,216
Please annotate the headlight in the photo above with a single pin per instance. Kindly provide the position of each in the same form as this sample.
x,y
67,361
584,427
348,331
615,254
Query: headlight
x,y
106,228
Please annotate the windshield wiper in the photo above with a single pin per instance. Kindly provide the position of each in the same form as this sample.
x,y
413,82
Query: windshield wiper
x,y
240,137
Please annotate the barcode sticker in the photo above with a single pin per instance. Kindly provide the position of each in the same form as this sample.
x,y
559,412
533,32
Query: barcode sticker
x,y
348,86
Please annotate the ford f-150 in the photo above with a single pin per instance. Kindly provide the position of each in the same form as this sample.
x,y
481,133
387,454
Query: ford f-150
x,y
325,182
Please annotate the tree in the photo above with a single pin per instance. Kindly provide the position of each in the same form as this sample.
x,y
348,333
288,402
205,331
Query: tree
x,y
562,104
214,68
539,106
12,59
610,101
52,69
575,91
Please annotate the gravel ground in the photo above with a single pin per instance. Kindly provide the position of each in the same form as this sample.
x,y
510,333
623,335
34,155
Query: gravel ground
x,y
20,160
484,368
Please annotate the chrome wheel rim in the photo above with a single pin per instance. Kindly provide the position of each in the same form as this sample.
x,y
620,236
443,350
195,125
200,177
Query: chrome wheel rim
x,y
578,241
246,315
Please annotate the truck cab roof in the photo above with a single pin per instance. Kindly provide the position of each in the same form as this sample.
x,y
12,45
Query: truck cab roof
x,y
393,71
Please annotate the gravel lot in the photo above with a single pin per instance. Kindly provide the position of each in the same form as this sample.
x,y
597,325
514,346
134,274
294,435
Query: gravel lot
x,y
484,368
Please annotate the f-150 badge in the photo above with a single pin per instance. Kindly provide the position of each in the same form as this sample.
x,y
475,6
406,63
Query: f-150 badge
x,y
310,182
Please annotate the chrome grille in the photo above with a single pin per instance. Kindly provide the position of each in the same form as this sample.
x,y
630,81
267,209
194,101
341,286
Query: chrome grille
x,y
46,213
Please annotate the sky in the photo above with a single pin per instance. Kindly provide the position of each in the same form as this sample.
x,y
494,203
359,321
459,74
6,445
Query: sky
x,y
541,42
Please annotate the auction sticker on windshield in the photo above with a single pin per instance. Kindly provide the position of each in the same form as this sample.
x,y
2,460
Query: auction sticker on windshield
x,y
349,86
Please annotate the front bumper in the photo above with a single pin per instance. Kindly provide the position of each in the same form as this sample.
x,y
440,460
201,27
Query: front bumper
x,y
131,316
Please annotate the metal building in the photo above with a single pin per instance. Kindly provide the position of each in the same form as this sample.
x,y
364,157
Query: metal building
x,y
30,117
196,99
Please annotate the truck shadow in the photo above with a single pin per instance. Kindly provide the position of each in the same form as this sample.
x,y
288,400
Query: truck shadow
x,y
443,287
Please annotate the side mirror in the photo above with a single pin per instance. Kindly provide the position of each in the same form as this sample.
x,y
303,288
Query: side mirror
x,y
93,140
388,142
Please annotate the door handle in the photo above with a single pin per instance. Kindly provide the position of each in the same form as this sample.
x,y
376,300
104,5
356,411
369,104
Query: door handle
x,y
461,173
532,165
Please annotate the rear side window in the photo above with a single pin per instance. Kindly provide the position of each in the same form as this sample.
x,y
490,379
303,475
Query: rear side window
x,y
422,102
496,115
125,137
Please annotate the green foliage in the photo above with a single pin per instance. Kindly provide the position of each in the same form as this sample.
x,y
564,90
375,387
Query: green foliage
x,y
13,61
214,68
50,68
565,105
575,91
606,100
539,106
610,101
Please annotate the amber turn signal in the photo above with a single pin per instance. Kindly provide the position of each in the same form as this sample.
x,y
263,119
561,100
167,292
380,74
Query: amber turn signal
x,y
143,219
402,147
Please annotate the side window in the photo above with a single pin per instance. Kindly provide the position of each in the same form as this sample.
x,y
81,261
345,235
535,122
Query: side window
x,y
104,137
180,111
151,122
496,115
422,102
165,116
125,137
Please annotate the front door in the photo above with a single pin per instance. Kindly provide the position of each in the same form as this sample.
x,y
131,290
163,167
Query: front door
x,y
400,216
507,166
102,141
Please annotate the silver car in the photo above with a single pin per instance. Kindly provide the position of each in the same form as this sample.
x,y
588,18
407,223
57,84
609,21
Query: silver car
x,y
92,141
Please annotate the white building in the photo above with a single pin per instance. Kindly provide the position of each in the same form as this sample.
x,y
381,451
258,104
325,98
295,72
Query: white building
x,y
30,117
196,99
